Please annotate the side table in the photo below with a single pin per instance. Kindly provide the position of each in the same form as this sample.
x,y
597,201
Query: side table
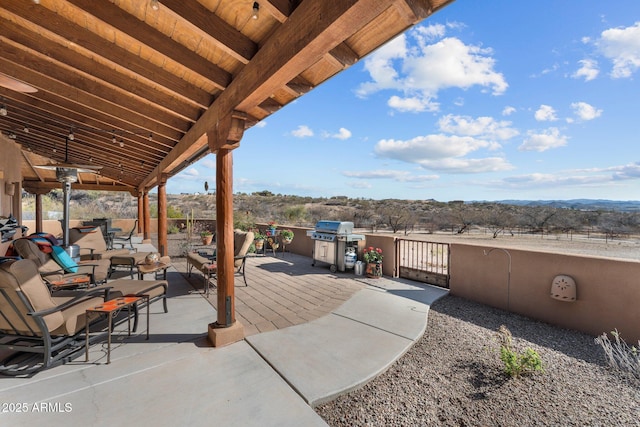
x,y
111,308
156,267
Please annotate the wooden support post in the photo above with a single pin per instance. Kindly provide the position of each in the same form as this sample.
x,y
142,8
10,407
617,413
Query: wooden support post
x,y
140,213
146,217
39,223
162,214
222,140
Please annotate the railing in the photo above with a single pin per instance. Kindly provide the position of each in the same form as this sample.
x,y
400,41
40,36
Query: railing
x,y
426,262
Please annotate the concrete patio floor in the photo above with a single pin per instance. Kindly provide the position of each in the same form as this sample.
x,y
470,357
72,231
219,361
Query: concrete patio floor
x,y
311,335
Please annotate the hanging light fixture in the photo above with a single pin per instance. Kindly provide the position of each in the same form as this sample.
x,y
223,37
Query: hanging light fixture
x,y
154,4
121,143
3,110
113,139
71,135
256,10
26,128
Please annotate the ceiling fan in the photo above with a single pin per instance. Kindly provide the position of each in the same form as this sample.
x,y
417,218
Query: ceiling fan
x,y
17,85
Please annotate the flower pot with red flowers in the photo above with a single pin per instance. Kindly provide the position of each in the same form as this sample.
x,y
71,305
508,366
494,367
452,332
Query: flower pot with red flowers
x,y
373,258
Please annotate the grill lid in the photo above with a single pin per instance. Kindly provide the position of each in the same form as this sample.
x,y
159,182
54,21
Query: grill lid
x,y
334,227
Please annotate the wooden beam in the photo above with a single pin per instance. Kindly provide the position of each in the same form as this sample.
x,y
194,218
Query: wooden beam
x,y
314,28
93,43
139,30
226,37
36,187
224,237
162,215
127,86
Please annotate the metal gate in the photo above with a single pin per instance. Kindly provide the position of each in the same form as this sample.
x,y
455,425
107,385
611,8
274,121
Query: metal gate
x,y
426,262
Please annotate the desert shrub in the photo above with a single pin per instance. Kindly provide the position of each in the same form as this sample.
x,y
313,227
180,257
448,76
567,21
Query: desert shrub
x,y
173,229
619,355
516,363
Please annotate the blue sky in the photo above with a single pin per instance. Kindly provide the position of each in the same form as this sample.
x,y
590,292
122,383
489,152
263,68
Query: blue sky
x,y
487,100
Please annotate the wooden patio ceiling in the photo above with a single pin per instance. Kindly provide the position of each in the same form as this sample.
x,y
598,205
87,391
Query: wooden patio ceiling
x,y
139,83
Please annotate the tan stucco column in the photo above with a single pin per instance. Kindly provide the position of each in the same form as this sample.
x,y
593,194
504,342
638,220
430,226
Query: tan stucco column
x,y
162,214
17,201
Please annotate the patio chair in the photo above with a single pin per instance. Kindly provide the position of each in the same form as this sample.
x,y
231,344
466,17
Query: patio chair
x,y
207,264
39,329
123,240
93,246
53,273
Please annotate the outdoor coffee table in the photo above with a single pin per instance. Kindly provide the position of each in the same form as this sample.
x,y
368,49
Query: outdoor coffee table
x,y
156,267
111,308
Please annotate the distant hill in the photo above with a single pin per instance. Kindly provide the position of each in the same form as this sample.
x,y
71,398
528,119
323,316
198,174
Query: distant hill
x,y
581,204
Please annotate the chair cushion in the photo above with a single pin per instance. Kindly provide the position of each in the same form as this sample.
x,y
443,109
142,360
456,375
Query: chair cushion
x,y
64,260
121,287
22,276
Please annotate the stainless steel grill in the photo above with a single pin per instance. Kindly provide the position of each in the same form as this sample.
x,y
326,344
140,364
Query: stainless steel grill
x,y
332,238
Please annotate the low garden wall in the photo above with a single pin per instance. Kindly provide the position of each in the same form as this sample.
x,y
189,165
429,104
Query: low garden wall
x,y
608,290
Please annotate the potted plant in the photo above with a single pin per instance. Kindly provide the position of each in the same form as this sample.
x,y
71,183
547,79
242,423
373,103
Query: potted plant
x,y
272,228
258,240
373,258
207,237
287,236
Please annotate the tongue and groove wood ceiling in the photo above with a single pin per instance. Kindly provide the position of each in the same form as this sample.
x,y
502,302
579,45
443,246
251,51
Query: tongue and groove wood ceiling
x,y
139,83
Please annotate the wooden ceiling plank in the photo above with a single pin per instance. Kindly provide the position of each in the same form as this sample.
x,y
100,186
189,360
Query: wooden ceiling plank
x,y
85,99
109,94
128,24
279,9
35,170
52,112
344,55
313,29
36,42
228,38
84,38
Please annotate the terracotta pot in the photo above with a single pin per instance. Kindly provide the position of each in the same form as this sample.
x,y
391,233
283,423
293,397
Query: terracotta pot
x,y
206,240
374,270
259,244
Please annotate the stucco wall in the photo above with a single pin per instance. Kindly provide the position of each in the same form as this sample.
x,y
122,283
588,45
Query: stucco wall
x,y
608,290
9,173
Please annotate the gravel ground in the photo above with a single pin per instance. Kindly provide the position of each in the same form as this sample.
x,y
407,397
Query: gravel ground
x,y
453,377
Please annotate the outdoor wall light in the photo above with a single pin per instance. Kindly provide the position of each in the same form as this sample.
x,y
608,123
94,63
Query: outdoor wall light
x,y
563,288
256,10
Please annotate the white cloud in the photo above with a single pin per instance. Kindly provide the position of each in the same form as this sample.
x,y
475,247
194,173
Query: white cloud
x,y
588,70
396,175
545,113
574,178
585,111
454,165
421,70
191,172
485,127
261,124
546,140
622,47
209,162
302,131
443,153
412,104
343,134
508,110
